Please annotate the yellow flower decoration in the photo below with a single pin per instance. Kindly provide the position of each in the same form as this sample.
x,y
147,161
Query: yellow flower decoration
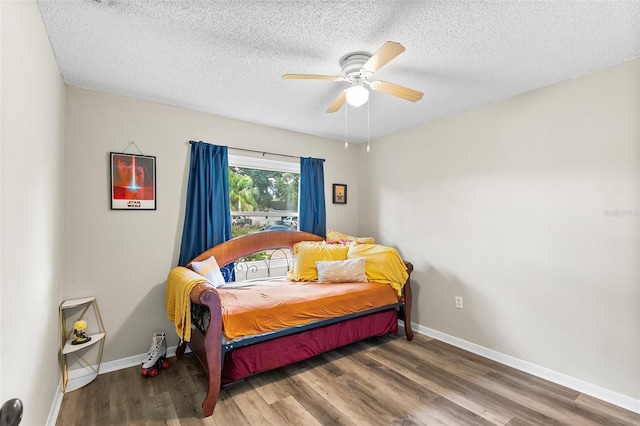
x,y
80,325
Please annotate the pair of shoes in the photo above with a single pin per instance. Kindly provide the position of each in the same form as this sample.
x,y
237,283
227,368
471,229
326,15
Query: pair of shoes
x,y
156,357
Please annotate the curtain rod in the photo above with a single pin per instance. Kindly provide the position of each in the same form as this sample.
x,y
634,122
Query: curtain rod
x,y
262,152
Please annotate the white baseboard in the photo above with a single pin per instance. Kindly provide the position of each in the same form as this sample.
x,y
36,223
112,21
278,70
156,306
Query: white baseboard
x,y
595,391
105,367
55,407
121,364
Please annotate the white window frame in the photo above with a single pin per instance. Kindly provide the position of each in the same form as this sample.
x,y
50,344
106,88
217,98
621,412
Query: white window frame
x,y
259,268
264,164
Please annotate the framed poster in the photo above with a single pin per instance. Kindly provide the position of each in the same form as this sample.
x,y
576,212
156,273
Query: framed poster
x,y
339,193
133,182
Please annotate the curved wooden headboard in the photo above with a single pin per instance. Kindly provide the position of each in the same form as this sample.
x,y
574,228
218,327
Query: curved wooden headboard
x,y
245,245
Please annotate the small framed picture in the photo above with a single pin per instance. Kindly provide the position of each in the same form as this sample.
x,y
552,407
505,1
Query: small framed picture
x,y
133,182
339,193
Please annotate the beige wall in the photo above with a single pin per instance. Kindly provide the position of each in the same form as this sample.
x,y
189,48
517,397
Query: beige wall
x,y
123,257
507,205
31,214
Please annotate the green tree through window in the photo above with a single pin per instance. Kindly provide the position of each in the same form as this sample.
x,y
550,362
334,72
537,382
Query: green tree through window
x,y
263,190
242,192
263,198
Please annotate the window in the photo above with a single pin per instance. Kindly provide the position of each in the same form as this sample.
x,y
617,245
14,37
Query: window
x,y
263,194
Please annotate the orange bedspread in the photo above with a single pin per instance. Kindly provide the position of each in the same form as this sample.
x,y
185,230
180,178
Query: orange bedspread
x,y
272,305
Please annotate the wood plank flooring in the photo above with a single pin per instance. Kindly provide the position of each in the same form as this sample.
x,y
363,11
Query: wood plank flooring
x,y
380,381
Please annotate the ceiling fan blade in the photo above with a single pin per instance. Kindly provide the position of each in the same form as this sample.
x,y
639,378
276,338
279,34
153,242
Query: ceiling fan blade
x,y
311,77
397,90
386,53
339,101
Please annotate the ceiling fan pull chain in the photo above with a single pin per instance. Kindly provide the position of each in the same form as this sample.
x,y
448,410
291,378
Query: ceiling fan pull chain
x,y
368,106
346,128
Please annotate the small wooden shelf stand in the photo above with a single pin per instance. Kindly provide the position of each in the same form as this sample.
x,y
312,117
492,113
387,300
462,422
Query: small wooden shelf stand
x,y
71,311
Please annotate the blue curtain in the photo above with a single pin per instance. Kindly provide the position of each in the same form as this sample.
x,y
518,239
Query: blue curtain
x,y
313,213
207,219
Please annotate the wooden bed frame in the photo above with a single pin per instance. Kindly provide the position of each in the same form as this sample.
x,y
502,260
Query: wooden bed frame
x,y
208,348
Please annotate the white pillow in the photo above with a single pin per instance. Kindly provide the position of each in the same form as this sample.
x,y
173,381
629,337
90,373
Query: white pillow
x,y
342,271
210,270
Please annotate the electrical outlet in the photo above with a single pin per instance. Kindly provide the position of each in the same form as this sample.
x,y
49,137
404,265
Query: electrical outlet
x,y
459,303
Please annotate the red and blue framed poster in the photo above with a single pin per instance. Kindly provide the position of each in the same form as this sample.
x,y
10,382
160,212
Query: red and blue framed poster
x,y
133,182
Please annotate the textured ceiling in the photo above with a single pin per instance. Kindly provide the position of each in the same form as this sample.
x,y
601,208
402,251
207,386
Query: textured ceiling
x,y
227,57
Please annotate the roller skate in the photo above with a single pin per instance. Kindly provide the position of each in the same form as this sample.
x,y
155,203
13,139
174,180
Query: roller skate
x,y
156,358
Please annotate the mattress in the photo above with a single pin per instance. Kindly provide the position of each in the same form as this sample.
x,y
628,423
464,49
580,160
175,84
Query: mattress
x,y
253,308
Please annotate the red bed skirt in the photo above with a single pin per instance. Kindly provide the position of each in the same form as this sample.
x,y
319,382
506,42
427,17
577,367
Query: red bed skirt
x,y
246,361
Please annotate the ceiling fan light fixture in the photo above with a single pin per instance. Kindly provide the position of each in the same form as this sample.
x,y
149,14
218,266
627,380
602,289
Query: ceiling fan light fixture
x,y
357,95
357,68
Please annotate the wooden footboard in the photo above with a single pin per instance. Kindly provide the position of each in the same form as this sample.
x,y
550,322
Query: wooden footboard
x,y
208,348
407,298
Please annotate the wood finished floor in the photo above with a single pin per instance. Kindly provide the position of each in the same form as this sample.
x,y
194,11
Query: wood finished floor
x,y
380,381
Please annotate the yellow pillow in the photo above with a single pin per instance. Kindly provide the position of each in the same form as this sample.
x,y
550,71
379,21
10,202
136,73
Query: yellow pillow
x,y
382,264
307,253
335,236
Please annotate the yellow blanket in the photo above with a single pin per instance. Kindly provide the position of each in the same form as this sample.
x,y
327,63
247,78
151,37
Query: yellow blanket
x,y
179,284
383,264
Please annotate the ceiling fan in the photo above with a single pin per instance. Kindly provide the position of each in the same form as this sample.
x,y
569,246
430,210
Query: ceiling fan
x,y
356,69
